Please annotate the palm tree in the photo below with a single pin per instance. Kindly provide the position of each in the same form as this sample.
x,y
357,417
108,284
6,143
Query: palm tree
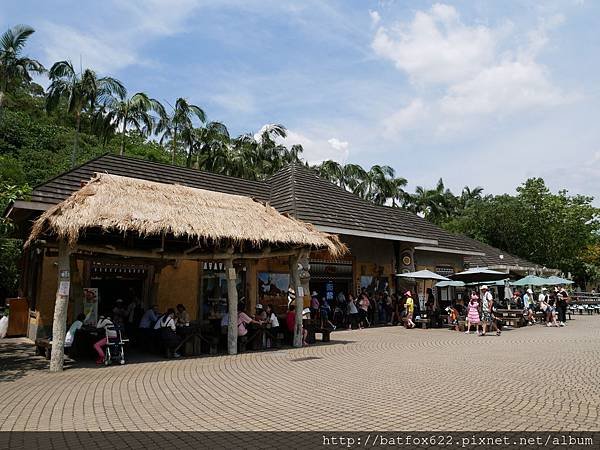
x,y
346,176
205,142
435,203
133,112
15,68
468,196
378,185
180,118
81,91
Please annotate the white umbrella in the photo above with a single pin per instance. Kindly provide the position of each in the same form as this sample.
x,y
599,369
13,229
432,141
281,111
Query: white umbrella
x,y
423,275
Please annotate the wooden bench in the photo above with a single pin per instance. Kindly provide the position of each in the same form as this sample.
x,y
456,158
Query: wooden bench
x,y
424,322
314,327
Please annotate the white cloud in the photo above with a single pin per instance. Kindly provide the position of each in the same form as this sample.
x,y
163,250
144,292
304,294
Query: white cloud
x,y
406,118
466,72
318,149
375,17
436,47
101,53
336,144
113,41
237,102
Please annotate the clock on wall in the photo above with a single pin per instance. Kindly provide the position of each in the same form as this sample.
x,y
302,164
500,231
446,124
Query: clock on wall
x,y
406,260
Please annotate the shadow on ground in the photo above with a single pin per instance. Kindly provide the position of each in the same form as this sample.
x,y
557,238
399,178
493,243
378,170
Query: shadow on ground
x,y
18,358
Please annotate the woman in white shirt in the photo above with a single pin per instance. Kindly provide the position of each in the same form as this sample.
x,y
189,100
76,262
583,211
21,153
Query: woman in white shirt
x,y
70,337
168,336
272,324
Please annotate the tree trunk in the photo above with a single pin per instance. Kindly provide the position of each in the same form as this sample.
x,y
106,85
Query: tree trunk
x,y
295,282
59,324
189,157
232,298
174,146
76,141
123,138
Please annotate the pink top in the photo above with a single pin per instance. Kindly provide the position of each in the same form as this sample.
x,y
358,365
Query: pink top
x,y
243,318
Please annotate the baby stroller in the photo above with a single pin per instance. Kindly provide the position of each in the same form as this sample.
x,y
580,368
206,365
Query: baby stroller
x,y
115,345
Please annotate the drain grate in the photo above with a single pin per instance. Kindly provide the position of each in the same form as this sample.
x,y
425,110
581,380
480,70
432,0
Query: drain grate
x,y
306,358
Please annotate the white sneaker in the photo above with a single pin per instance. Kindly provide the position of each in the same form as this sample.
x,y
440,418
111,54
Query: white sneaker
x,y
466,332
548,324
562,324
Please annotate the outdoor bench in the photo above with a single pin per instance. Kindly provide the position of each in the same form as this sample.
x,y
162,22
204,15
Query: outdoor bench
x,y
424,322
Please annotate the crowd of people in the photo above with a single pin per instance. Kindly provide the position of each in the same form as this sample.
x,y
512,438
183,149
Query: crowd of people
x,y
549,308
151,327
368,309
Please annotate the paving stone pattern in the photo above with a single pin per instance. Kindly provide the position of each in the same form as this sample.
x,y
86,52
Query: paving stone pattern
x,y
390,378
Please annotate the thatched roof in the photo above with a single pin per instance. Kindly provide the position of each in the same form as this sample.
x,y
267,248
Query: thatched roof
x,y
123,204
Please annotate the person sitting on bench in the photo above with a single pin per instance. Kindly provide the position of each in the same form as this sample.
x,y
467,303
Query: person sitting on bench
x,y
76,325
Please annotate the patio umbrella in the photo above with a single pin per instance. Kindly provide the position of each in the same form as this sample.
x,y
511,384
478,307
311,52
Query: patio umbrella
x,y
423,275
532,280
450,283
479,275
554,280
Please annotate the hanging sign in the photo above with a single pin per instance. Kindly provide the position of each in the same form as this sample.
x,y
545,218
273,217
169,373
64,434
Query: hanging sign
x,y
63,288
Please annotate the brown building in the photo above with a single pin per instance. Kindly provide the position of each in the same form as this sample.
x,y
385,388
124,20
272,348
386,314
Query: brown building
x,y
382,241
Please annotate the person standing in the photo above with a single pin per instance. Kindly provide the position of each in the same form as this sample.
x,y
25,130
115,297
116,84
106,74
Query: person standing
x,y
352,312
272,326
409,305
473,314
561,305
486,309
363,311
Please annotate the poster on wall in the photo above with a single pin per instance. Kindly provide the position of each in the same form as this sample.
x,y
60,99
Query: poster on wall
x,y
374,284
273,284
90,305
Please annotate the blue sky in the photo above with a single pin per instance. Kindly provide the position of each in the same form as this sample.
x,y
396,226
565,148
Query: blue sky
x,y
477,92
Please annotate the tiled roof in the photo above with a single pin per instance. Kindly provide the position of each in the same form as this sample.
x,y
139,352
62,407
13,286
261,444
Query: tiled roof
x,y
296,190
494,257
325,204
62,186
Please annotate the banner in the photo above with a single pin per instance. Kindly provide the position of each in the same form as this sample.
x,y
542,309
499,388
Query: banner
x,y
90,305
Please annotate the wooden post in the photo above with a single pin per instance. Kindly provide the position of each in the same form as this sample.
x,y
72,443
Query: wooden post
x,y
59,324
76,292
295,282
232,299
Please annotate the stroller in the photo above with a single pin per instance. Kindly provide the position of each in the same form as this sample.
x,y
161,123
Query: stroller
x,y
115,345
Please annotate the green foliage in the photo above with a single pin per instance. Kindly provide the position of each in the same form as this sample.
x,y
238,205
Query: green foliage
x,y
554,230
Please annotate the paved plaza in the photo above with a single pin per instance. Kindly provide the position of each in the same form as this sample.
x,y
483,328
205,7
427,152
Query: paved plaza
x,y
377,379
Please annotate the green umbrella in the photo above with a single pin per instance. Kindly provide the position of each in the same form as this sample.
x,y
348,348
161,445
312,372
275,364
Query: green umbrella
x,y
554,280
532,280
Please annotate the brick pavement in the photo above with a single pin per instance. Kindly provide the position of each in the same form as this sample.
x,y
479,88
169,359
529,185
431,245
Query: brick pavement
x,y
377,379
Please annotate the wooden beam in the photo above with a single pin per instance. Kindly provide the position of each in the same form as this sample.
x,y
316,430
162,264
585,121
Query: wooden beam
x,y
295,282
232,300
131,253
59,324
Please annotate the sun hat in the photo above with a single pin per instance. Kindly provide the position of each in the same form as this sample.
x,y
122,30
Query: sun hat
x,y
408,293
544,289
484,287
529,291
314,294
